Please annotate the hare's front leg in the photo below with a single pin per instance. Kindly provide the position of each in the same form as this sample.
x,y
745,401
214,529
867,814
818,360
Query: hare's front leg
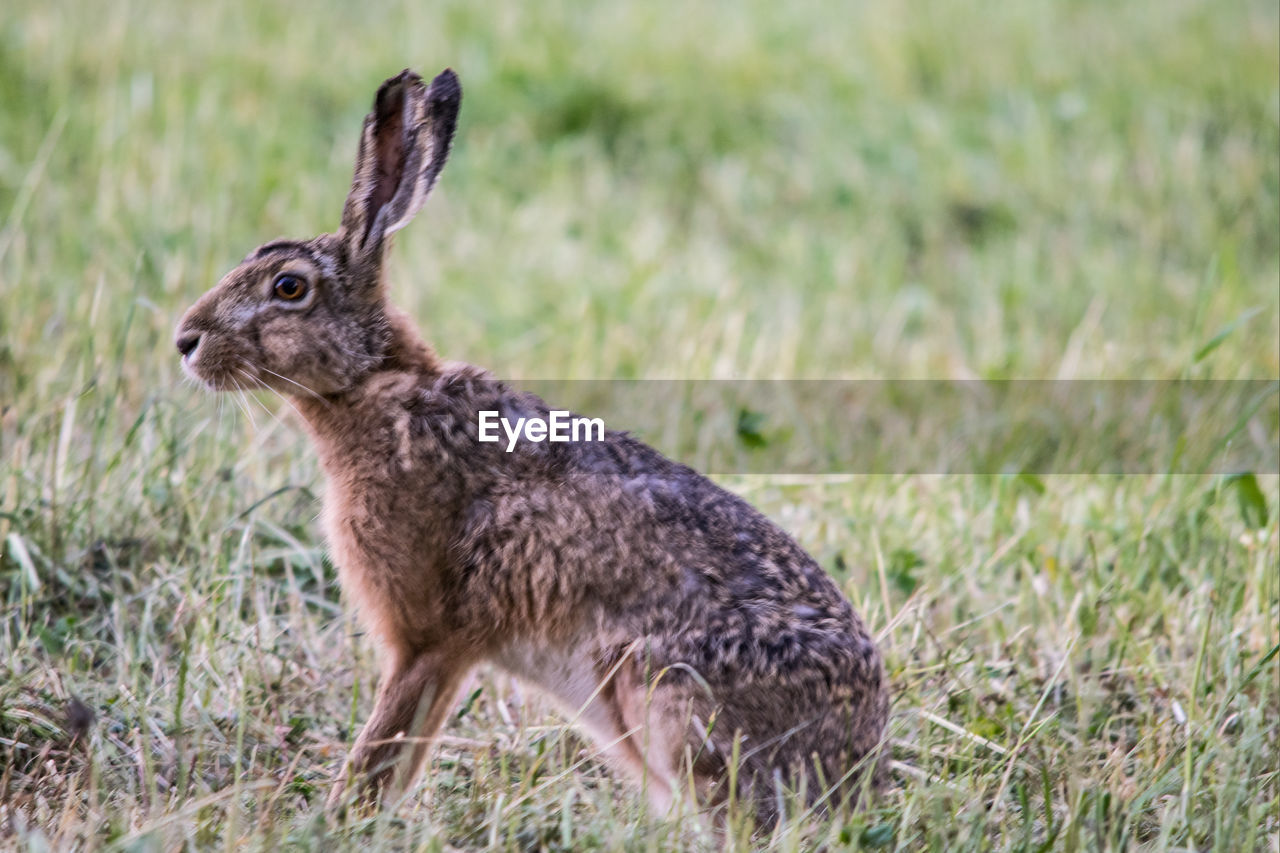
x,y
413,701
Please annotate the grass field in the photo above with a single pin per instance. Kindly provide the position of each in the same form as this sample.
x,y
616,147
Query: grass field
x,y
950,189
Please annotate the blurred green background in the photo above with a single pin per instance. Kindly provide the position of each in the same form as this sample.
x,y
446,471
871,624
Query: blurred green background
x,y
674,190
948,189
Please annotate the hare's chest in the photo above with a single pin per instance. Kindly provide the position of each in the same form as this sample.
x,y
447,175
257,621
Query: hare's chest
x,y
384,571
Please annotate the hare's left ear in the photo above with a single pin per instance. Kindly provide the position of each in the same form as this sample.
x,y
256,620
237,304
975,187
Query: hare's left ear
x,y
402,150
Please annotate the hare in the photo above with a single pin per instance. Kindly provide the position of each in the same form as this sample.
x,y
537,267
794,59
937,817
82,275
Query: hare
x,y
707,654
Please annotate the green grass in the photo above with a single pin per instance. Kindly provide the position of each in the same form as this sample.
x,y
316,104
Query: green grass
x,y
1067,189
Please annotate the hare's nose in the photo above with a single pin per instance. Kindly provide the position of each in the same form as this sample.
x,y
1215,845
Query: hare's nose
x,y
187,342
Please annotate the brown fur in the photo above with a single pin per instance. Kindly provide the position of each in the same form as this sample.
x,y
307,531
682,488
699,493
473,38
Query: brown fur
x,y
667,616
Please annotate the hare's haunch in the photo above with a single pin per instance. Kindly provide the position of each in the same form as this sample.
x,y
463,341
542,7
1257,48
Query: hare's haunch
x,y
677,623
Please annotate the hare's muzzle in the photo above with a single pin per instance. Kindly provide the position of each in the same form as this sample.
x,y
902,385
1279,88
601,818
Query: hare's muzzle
x,y
187,342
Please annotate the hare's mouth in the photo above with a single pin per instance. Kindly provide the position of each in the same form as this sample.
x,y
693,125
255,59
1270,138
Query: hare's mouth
x,y
221,377
213,383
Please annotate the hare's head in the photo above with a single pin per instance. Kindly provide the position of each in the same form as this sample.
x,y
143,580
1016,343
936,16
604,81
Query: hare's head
x,y
311,315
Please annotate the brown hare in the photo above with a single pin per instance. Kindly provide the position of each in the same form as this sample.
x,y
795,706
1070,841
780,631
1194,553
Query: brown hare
x,y
694,640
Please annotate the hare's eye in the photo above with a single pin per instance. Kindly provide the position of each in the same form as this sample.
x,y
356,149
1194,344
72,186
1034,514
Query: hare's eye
x,y
290,287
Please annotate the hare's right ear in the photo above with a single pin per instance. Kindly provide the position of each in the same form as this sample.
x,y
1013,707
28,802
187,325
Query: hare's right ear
x,y
402,150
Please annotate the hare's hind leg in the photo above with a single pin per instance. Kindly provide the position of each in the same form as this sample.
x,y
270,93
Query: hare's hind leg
x,y
627,744
660,738
597,687
414,700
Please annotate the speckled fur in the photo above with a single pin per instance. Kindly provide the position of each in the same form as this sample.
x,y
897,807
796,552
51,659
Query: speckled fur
x,y
666,615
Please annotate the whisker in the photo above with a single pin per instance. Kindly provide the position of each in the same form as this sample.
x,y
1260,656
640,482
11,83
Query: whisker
x,y
315,394
274,415
310,391
222,414
239,405
256,399
289,402
243,389
244,406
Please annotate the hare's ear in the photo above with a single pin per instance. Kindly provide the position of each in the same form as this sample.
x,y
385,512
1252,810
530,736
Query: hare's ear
x,y
402,150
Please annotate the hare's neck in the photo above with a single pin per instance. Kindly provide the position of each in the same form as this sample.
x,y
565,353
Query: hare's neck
x,y
341,423
407,352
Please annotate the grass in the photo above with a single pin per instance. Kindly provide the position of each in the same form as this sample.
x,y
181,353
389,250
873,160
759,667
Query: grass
x,y
955,190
